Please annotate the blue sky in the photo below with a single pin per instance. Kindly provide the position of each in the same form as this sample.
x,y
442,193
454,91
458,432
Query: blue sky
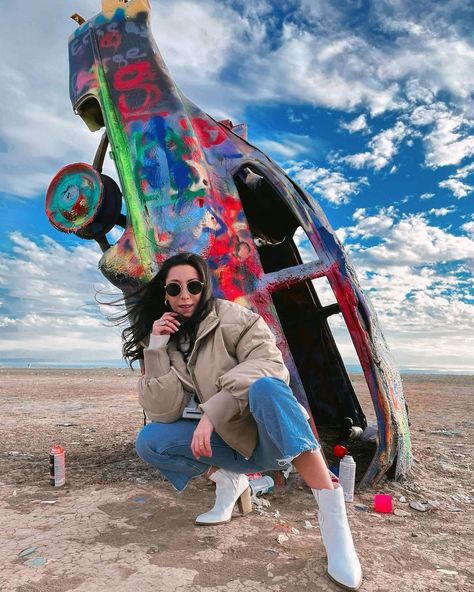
x,y
368,105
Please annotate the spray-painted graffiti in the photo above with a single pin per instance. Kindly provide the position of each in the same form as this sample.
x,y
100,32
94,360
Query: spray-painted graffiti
x,y
192,183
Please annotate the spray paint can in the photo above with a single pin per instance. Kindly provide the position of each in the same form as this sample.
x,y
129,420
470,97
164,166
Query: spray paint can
x,y
57,466
347,473
261,485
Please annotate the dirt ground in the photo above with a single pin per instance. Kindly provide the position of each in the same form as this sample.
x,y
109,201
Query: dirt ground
x,y
117,526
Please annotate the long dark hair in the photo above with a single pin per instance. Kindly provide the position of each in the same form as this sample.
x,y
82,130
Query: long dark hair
x,y
147,304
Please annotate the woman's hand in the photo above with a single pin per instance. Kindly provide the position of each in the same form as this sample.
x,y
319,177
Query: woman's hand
x,y
166,325
201,442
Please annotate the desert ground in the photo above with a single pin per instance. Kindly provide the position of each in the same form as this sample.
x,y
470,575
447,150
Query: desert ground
x,y
118,526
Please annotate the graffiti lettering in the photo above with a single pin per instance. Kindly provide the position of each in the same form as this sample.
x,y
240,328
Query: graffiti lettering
x,y
134,54
78,44
133,28
134,81
119,59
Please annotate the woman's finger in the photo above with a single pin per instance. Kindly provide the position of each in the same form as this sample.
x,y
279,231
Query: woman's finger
x,y
170,315
199,443
206,447
167,316
166,326
195,447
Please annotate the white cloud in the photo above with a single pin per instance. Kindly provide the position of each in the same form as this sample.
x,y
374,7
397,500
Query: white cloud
x,y
191,37
469,228
455,184
435,63
331,185
383,147
465,171
416,92
287,146
422,307
409,241
329,70
426,195
49,311
358,124
316,60
442,211
294,118
424,50
447,142
38,131
458,188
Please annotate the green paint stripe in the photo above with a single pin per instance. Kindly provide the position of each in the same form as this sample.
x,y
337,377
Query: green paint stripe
x,y
123,162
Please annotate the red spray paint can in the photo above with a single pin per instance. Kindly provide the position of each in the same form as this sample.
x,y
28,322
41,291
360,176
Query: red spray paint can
x,y
57,466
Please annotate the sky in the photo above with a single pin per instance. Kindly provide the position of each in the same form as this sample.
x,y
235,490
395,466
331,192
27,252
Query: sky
x,y
369,105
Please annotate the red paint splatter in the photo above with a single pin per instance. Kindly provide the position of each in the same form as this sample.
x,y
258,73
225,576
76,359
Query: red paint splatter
x,y
209,134
111,39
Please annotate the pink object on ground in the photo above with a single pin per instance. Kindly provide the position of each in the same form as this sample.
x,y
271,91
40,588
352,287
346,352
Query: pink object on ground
x,y
254,475
383,503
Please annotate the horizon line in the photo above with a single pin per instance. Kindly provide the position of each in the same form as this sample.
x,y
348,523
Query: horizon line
x,y
120,364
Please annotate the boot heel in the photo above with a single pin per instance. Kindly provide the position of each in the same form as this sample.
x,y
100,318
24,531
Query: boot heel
x,y
244,503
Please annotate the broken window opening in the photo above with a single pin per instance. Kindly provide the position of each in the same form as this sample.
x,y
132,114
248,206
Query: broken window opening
x,y
303,316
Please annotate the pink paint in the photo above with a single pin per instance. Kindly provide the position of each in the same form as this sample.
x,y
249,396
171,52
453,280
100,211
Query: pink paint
x,y
383,503
85,79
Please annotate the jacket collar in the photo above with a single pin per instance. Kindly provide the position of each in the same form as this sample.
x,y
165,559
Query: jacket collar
x,y
207,325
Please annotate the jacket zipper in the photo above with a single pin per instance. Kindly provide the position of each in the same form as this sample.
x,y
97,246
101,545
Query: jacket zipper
x,y
191,373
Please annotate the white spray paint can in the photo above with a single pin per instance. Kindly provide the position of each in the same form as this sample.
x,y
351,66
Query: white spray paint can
x,y
347,473
261,485
57,466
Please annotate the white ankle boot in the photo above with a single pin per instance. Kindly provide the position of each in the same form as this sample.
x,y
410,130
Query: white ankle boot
x,y
343,564
230,488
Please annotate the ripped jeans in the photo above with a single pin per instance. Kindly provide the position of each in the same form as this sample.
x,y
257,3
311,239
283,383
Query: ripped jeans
x,y
283,434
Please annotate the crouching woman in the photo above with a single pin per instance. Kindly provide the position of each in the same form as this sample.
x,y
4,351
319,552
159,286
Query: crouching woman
x,y
224,357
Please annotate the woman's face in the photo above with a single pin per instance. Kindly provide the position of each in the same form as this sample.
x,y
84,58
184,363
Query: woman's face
x,y
185,302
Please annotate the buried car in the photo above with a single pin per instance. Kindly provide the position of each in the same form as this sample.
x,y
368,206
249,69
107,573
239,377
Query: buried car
x,y
192,183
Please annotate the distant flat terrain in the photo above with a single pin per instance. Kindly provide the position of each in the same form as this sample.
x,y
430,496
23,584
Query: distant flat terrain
x,y
117,526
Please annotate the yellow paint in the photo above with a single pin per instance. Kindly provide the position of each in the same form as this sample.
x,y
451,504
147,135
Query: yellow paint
x,y
132,7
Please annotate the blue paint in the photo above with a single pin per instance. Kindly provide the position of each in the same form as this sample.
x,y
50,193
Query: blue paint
x,y
140,500
36,562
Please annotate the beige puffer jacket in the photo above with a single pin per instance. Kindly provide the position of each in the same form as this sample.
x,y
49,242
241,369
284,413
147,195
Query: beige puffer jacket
x,y
234,347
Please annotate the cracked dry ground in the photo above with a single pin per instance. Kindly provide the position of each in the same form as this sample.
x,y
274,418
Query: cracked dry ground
x,y
116,525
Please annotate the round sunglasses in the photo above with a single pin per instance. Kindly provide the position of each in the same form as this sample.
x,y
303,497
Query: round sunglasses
x,y
193,286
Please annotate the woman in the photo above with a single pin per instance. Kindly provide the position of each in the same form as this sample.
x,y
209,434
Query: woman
x,y
224,355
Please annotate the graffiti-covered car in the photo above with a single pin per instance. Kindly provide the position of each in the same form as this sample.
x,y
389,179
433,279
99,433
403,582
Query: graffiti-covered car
x,y
192,183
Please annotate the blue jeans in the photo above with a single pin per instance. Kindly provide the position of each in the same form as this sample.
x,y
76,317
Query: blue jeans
x,y
283,433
